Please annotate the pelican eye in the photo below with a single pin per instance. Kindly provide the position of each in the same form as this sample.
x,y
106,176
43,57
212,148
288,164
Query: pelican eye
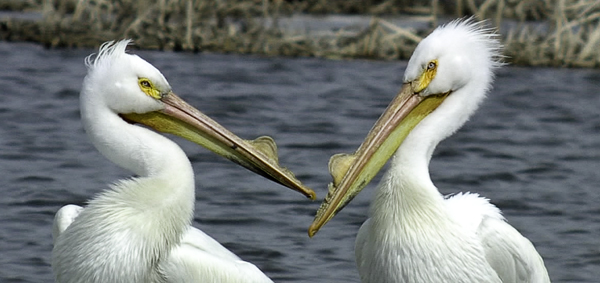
x,y
148,88
431,65
427,76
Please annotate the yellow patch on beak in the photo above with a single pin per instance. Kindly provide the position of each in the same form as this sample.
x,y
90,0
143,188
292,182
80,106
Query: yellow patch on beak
x,y
148,88
426,77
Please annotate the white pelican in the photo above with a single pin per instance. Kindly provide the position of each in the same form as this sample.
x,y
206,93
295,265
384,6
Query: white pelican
x,y
139,229
414,234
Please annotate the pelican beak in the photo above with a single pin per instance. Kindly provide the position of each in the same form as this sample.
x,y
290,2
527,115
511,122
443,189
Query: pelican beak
x,y
259,155
352,172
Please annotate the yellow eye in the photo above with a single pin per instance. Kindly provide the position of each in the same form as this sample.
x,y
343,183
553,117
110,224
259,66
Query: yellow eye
x,y
427,76
147,87
145,83
431,65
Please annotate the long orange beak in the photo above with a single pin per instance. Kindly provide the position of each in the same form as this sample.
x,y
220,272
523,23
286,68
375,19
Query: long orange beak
x,y
352,172
259,155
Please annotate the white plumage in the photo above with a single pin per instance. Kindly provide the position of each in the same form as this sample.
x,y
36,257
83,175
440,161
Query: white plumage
x,y
414,234
196,258
139,229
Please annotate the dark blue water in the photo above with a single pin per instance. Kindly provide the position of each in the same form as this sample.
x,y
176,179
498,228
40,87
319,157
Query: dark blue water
x,y
533,148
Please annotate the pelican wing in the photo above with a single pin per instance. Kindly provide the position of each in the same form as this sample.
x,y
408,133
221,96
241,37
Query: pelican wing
x,y
512,256
200,258
63,218
361,248
196,239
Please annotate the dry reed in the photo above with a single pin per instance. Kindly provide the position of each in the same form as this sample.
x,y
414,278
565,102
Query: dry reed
x,y
543,32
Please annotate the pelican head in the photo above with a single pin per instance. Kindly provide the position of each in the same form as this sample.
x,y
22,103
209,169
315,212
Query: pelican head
x,y
124,82
445,80
127,85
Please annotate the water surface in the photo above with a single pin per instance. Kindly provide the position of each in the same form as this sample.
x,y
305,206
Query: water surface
x,y
532,148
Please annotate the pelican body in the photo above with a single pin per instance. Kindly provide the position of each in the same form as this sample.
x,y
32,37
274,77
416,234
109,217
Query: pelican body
x,y
415,234
139,229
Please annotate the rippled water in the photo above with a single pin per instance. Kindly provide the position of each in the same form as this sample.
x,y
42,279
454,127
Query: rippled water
x,y
532,148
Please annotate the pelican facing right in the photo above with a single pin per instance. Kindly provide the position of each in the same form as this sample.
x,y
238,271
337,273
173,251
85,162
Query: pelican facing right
x,y
414,233
139,230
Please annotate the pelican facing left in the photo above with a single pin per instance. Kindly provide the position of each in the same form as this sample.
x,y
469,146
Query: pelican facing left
x,y
414,233
139,229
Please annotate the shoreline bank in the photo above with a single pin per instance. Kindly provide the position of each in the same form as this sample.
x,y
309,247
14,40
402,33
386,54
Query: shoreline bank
x,y
570,38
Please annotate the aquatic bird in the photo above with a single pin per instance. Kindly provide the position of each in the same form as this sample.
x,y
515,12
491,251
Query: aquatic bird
x,y
139,230
415,234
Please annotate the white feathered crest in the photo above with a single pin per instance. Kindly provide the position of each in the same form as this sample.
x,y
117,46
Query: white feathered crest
x,y
107,53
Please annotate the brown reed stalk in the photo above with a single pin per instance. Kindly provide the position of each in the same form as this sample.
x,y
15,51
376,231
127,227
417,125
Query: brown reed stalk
x,y
547,32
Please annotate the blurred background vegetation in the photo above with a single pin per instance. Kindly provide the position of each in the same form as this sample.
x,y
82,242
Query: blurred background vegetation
x,y
534,32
